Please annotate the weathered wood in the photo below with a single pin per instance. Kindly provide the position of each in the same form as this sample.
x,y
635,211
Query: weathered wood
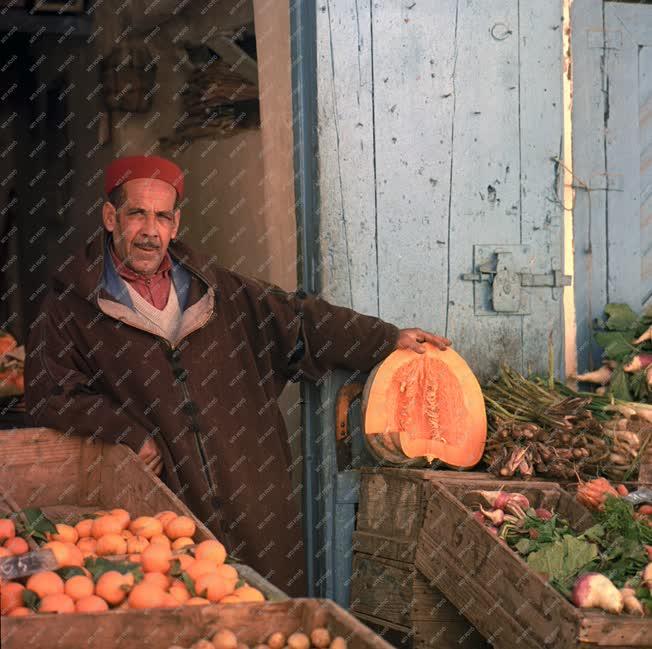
x,y
485,174
645,135
605,631
414,50
590,245
540,142
160,628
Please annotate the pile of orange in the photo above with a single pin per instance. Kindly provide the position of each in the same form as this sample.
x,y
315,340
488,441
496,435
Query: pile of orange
x,y
146,540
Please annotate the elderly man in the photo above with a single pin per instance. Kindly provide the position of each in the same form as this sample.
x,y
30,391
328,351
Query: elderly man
x,y
144,342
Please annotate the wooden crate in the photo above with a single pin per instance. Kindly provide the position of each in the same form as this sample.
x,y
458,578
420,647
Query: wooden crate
x,y
160,628
496,591
68,475
386,589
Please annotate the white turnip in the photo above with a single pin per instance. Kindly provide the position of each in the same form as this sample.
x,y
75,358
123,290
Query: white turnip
x,y
593,590
631,604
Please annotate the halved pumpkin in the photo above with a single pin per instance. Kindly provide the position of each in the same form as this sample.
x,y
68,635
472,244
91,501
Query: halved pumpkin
x,y
425,406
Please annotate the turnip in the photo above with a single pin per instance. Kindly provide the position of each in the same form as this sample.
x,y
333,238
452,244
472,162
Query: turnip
x,y
639,362
500,499
601,376
593,590
497,516
631,604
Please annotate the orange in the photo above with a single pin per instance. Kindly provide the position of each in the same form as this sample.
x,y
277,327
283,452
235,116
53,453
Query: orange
x,y
5,553
169,601
111,544
145,595
156,558
7,529
45,583
74,556
78,587
11,596
106,525
123,516
146,526
249,594
185,561
214,587
91,604
16,545
179,591
58,603
113,586
180,526
157,579
137,557
126,534
181,542
87,545
165,517
60,551
197,601
64,533
136,544
230,599
212,551
84,528
20,611
200,567
227,572
161,539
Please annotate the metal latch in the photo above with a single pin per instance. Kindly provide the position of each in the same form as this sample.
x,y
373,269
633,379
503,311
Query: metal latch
x,y
506,281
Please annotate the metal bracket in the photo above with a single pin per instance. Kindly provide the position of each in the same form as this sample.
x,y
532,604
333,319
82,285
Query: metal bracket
x,y
499,282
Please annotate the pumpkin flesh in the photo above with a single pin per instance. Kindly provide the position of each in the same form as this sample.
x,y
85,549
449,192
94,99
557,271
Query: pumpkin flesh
x,y
427,405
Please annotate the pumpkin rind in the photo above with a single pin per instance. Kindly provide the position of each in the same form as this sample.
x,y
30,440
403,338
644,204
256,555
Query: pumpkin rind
x,y
425,405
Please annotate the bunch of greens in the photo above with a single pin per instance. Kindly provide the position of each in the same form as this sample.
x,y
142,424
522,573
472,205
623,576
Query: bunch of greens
x,y
614,546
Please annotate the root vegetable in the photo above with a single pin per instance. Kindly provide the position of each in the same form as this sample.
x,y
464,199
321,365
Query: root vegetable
x,y
499,499
631,604
647,576
543,514
593,493
639,362
225,639
644,337
601,376
320,637
645,509
622,490
479,517
497,516
593,590
299,641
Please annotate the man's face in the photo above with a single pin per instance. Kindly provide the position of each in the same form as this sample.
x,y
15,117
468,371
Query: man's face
x,y
143,226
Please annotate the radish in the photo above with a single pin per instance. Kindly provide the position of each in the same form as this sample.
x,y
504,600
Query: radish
x,y
601,376
639,362
500,499
593,590
631,604
645,509
497,516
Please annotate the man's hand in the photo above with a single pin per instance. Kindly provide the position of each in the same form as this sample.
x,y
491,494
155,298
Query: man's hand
x,y
411,339
150,454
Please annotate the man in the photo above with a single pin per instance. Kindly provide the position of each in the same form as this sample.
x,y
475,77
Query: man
x,y
144,342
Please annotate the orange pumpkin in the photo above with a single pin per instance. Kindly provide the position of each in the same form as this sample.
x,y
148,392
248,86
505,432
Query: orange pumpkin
x,y
426,405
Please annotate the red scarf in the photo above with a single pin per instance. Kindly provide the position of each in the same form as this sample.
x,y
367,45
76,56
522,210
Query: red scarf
x,y
154,288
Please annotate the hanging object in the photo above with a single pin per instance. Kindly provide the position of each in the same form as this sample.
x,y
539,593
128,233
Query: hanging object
x,y
129,77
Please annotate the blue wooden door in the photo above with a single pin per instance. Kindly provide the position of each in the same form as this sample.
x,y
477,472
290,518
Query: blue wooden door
x,y
612,161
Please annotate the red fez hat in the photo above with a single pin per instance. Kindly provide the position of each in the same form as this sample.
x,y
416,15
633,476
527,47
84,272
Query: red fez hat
x,y
140,166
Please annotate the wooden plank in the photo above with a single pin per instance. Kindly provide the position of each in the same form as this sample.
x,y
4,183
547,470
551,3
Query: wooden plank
x,y
347,215
605,631
623,160
157,628
540,137
645,135
414,51
632,22
485,174
589,167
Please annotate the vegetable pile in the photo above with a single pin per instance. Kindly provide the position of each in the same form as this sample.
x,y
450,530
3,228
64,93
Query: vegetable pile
x,y
626,340
542,427
608,566
319,638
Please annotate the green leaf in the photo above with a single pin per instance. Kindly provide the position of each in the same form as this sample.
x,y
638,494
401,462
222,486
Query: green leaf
x,y
619,385
31,599
240,583
595,533
175,567
185,577
562,560
69,571
38,524
620,317
97,566
524,546
616,345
